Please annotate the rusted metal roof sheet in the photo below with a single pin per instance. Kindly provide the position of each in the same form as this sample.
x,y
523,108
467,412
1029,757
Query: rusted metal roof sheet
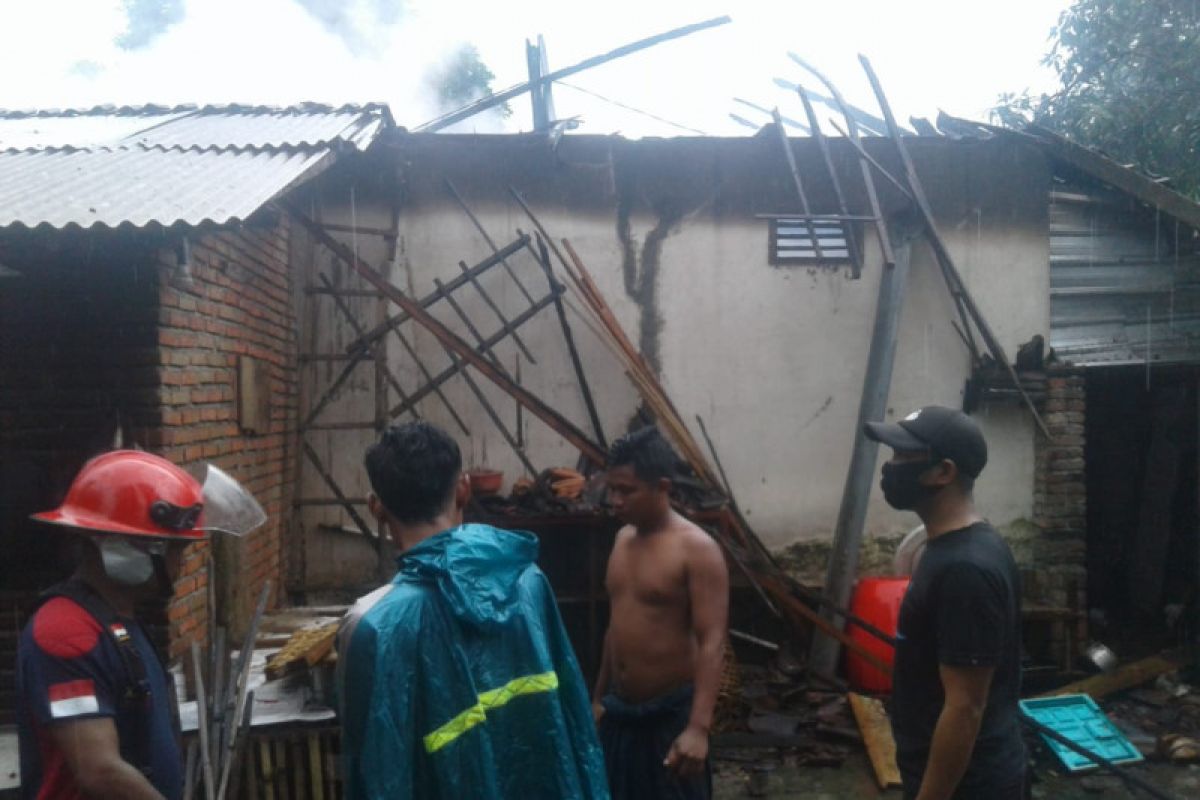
x,y
180,165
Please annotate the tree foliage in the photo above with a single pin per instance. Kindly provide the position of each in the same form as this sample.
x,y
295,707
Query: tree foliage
x,y
1129,74
463,78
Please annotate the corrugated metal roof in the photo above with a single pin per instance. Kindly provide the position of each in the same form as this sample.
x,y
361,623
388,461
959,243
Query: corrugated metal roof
x,y
1124,283
272,129
152,164
40,133
137,187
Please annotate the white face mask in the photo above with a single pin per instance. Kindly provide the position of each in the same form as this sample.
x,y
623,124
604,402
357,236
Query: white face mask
x,y
124,563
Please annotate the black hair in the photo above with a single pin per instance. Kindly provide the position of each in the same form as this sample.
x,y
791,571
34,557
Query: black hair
x,y
647,452
413,468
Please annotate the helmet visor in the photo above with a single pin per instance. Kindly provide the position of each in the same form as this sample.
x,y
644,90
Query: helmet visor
x,y
228,507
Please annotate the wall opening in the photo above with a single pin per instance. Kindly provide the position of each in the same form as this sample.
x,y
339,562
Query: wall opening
x,y
1143,505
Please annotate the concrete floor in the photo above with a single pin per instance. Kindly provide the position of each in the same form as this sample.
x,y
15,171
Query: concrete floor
x,y
780,777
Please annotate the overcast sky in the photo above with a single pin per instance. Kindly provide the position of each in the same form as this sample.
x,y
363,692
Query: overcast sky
x,y
957,55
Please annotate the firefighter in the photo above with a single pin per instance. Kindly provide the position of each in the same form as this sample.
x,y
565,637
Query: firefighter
x,y
97,715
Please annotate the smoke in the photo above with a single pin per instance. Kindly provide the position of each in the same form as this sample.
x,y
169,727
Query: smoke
x,y
362,25
460,77
146,20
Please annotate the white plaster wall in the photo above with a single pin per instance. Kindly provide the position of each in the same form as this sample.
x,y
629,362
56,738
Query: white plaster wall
x,y
772,358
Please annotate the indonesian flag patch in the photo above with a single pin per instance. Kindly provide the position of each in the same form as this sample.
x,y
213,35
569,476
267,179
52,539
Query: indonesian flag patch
x,y
73,699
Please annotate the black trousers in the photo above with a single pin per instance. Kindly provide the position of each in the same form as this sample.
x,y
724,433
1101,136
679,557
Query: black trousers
x,y
637,737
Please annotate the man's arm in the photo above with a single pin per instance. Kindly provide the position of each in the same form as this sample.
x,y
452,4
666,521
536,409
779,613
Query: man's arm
x,y
966,691
708,594
93,754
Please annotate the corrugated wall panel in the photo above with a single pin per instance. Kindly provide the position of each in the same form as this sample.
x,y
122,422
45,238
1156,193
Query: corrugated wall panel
x,y
1124,283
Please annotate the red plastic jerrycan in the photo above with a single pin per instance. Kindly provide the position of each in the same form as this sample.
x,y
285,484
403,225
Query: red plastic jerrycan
x,y
877,601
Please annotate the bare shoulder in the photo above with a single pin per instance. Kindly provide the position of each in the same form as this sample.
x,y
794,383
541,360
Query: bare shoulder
x,y
621,542
697,541
624,536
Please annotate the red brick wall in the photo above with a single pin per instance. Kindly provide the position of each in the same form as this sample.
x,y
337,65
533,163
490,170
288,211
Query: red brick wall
x,y
233,301
1058,576
103,327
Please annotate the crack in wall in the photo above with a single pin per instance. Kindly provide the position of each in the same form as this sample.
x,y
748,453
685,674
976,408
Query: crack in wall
x,y
641,271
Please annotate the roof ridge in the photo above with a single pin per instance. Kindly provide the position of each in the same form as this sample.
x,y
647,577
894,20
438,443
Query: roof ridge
x,y
154,109
289,148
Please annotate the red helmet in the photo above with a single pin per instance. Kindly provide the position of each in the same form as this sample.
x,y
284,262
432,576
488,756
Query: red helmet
x,y
133,493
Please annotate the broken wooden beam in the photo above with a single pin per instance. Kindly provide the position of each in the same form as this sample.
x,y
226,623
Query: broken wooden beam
x,y
487,299
827,157
569,337
490,243
552,418
485,348
958,288
428,300
790,157
1124,677
876,731
343,501
488,408
492,100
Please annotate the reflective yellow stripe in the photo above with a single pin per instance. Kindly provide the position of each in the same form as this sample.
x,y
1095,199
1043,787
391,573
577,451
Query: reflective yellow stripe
x,y
476,714
530,684
455,728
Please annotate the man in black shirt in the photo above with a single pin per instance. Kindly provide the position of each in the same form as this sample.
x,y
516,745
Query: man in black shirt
x,y
957,670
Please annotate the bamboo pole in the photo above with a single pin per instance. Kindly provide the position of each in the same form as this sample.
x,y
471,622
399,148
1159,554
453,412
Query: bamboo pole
x,y
206,767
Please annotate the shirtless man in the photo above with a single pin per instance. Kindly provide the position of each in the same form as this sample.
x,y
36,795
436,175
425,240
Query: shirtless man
x,y
669,593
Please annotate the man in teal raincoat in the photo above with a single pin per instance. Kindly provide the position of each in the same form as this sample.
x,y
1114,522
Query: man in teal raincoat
x,y
457,678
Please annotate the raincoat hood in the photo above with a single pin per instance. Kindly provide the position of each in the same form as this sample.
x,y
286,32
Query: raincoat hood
x,y
459,680
476,569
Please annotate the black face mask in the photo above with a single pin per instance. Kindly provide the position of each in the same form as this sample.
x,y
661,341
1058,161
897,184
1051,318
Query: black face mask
x,y
902,486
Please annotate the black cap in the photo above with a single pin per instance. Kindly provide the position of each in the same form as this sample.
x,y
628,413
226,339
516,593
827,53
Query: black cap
x,y
946,432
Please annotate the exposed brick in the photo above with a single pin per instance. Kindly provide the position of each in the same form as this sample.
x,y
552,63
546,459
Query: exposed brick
x,y
239,303
1060,505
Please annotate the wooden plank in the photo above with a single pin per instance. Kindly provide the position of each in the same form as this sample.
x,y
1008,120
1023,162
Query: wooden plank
x,y
268,771
1123,178
1125,677
304,648
876,731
